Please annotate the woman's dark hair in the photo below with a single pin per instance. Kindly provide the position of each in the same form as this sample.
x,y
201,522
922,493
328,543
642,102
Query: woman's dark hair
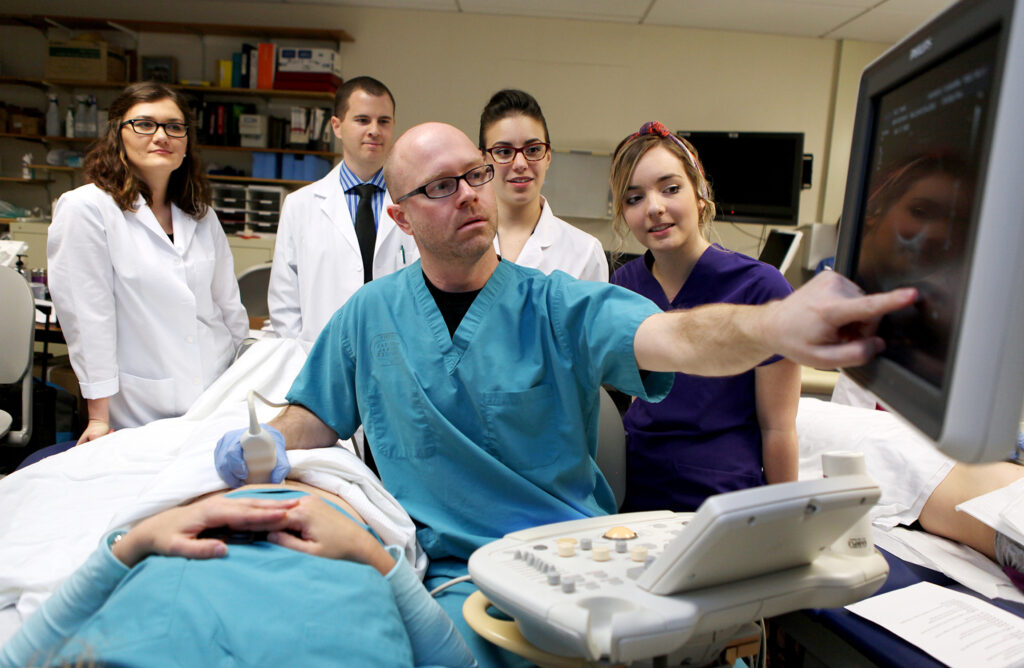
x,y
107,166
510,102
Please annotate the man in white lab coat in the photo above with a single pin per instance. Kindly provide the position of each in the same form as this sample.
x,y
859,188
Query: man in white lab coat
x,y
322,255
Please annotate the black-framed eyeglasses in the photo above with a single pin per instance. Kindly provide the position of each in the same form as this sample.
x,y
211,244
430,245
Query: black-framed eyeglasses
x,y
445,187
144,126
532,152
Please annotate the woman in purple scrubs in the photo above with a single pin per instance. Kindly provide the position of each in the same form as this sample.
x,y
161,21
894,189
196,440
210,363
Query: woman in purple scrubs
x,y
710,435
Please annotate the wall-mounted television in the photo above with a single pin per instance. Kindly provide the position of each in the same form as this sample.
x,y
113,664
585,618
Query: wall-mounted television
x,y
756,176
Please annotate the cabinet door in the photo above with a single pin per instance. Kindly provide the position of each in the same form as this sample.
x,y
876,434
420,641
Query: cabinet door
x,y
34,234
250,252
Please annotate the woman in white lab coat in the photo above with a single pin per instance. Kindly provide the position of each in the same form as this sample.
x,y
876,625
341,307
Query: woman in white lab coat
x,y
140,271
514,137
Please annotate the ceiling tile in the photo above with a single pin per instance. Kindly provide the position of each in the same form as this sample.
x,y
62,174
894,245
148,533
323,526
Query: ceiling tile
x,y
890,22
436,5
807,19
629,11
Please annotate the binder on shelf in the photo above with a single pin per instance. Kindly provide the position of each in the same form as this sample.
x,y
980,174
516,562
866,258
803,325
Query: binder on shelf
x,y
265,67
224,71
236,69
298,136
245,65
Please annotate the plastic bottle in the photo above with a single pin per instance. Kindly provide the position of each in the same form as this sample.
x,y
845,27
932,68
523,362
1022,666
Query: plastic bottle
x,y
69,123
90,117
53,118
81,111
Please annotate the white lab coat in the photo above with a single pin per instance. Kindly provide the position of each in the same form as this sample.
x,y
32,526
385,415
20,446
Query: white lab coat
x,y
148,323
317,263
555,244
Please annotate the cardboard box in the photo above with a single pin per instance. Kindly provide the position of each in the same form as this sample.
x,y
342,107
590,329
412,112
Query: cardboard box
x,y
303,59
85,61
25,124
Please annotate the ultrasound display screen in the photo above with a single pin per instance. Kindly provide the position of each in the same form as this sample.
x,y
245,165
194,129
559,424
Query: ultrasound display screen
x,y
918,218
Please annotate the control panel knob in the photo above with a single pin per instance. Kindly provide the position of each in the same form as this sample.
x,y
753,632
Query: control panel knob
x,y
566,549
620,533
568,586
638,553
620,547
585,543
601,553
554,579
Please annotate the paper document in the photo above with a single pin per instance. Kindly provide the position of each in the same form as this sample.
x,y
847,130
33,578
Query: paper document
x,y
957,629
1003,510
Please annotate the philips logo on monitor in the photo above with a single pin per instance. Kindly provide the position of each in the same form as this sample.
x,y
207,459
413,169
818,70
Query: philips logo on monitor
x,y
921,49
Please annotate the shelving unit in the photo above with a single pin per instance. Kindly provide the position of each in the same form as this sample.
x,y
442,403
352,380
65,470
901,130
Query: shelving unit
x,y
64,177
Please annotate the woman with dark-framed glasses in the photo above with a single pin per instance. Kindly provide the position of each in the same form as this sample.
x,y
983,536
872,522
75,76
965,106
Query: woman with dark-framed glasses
x,y
514,138
140,271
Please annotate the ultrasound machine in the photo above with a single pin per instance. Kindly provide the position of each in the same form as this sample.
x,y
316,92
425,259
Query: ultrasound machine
x,y
934,199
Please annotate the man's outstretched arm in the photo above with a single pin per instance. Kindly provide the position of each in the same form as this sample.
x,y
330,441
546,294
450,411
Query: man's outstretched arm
x,y
827,323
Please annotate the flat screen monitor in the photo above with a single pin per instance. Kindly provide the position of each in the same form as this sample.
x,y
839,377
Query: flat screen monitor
x,y
935,200
756,176
780,248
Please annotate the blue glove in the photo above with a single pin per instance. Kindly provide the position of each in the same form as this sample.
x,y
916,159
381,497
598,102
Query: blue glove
x,y
230,464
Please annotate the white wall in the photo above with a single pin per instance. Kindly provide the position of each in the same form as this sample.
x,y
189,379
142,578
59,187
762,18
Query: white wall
x,y
596,81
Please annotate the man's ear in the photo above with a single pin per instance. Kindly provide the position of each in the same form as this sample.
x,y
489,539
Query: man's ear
x,y
397,215
336,126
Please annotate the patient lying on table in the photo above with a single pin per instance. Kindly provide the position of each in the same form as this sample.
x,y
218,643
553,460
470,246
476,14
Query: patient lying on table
x,y
262,575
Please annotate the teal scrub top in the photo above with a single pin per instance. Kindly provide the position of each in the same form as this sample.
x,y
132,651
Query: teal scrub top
x,y
493,429
172,611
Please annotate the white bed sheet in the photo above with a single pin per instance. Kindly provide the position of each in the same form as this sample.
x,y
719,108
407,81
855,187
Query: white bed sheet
x,y
907,468
55,511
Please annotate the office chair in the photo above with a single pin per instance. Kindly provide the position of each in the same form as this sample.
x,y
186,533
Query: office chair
x,y
611,447
252,288
17,331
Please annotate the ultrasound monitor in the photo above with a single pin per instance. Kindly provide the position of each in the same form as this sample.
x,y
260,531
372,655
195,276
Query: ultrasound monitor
x,y
935,200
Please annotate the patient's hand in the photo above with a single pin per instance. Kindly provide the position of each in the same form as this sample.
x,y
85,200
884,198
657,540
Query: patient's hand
x,y
315,528
175,532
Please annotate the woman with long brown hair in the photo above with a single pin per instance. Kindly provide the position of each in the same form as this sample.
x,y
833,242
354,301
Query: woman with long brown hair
x,y
140,270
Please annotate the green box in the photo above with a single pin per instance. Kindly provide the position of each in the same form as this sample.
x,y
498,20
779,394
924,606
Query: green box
x,y
84,61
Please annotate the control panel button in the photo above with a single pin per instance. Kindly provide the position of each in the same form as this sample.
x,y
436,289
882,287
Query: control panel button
x,y
638,553
568,586
566,549
620,533
601,553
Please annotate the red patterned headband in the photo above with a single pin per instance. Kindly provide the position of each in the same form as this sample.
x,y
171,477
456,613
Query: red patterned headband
x,y
659,129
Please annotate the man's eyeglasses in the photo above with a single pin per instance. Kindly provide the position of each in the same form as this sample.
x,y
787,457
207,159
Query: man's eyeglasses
x,y
532,152
144,126
445,187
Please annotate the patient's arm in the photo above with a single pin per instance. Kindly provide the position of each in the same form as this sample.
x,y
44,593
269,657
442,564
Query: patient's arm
x,y
44,633
302,429
964,482
435,640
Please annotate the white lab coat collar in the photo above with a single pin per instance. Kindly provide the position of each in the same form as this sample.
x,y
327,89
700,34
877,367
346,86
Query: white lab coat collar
x,y
334,205
184,226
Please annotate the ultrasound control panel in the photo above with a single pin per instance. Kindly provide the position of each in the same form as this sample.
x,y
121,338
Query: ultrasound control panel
x,y
641,585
